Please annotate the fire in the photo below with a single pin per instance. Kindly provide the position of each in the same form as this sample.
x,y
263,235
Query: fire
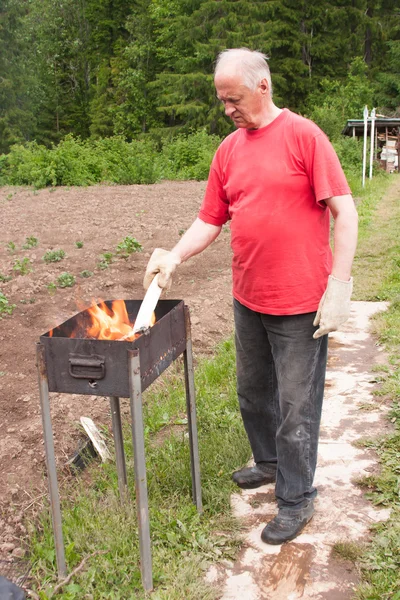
x,y
111,323
107,323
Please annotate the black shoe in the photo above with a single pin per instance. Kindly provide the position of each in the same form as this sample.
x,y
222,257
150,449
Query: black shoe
x,y
249,478
286,526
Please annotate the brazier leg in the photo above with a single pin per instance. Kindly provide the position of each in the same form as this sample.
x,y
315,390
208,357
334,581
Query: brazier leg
x,y
119,447
192,419
50,461
142,504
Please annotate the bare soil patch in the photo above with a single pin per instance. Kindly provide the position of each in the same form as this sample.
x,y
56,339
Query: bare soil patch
x,y
100,217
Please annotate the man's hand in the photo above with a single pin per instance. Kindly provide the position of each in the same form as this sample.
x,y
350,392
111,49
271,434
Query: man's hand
x,y
163,262
334,307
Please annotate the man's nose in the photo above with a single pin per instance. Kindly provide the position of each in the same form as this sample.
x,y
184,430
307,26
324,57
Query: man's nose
x,y
229,109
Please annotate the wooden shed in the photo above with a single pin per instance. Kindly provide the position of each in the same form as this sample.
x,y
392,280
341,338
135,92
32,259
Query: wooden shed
x,y
387,141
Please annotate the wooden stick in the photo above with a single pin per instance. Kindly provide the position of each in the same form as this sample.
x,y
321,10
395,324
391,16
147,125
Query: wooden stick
x,y
76,570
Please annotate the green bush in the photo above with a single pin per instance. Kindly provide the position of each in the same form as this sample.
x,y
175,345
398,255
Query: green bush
x,y
189,156
113,160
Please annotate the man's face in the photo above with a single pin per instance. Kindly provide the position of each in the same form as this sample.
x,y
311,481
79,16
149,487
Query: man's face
x,y
244,106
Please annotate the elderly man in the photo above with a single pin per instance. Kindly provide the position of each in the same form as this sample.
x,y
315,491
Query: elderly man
x,y
277,179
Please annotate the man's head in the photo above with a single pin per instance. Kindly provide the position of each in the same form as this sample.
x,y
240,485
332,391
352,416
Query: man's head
x,y
243,83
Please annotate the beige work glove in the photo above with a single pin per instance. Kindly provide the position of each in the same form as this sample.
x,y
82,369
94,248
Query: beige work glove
x,y
163,262
334,306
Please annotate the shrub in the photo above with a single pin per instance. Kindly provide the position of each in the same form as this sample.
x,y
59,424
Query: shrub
x,y
189,156
85,162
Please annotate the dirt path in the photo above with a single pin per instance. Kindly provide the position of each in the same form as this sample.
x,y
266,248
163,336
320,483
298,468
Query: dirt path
x,y
305,568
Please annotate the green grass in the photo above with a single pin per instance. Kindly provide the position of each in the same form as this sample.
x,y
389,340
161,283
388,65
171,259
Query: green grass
x,y
184,543
377,277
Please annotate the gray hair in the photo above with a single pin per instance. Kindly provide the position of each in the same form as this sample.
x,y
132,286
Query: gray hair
x,y
250,64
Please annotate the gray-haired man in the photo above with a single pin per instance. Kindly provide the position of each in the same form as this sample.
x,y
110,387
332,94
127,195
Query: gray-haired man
x,y
277,179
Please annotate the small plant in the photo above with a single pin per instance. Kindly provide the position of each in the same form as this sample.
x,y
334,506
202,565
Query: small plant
x,y
79,244
9,196
5,307
181,232
4,278
28,301
105,260
11,247
128,246
53,256
65,280
30,242
86,273
347,550
52,288
22,266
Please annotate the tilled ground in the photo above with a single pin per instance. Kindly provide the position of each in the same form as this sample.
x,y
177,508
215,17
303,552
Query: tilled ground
x,y
100,217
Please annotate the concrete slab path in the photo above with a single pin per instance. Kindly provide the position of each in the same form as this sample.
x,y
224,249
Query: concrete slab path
x,y
305,568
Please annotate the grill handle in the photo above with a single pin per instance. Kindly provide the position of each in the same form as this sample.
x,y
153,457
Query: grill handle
x,y
87,367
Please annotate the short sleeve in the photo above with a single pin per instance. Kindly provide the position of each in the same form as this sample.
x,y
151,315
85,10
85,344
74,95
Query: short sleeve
x,y
215,206
324,169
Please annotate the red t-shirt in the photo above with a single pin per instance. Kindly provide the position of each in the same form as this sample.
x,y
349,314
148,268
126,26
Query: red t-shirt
x,y
272,182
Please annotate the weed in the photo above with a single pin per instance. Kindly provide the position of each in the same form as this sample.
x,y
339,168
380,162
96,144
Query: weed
x,y
105,260
181,232
5,307
79,244
128,246
30,242
5,278
53,256
28,301
52,288
9,196
22,266
347,550
65,280
11,247
86,273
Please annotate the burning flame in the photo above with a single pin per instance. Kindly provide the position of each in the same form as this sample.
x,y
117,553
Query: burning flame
x,y
111,323
108,323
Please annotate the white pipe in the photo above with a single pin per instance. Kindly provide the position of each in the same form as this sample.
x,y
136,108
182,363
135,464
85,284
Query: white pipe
x,y
365,144
371,158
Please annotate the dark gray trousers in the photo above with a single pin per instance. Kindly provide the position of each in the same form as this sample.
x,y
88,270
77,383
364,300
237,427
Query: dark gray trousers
x,y
280,385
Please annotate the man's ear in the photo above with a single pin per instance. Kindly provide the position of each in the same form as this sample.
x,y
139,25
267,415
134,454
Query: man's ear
x,y
264,87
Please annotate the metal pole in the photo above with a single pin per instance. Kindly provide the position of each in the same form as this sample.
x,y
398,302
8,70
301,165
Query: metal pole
x,y
371,157
191,415
142,505
119,447
50,461
365,144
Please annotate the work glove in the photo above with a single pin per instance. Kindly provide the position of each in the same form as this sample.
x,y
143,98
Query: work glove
x,y
334,306
164,263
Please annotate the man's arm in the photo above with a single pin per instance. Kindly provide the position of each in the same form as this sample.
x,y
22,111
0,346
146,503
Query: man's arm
x,y
199,235
334,307
345,235
196,239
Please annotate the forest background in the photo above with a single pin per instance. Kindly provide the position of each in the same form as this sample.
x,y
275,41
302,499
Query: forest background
x,y
111,83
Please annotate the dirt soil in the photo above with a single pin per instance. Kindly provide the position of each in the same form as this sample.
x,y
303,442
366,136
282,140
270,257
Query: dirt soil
x,y
100,217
